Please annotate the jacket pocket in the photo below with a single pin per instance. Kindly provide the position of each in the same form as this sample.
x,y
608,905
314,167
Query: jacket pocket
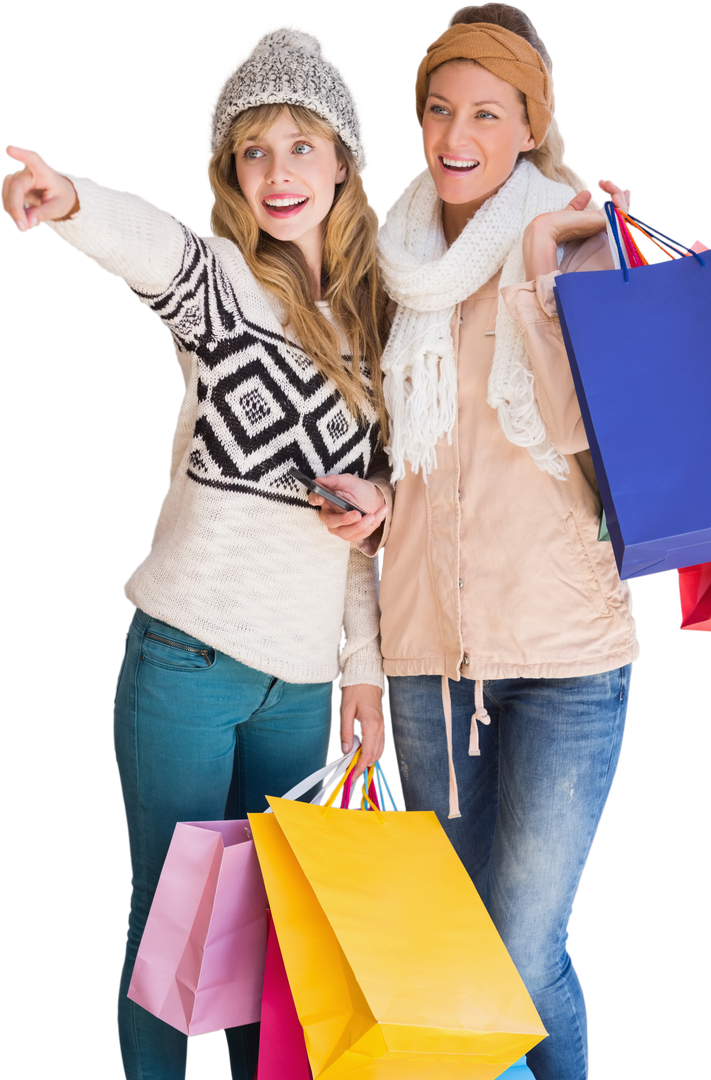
x,y
585,563
165,652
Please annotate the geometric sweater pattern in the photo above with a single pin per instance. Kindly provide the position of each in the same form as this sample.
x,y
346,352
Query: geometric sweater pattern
x,y
263,406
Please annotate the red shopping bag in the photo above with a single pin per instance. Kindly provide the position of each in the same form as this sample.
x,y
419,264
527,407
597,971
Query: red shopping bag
x,y
282,1047
695,592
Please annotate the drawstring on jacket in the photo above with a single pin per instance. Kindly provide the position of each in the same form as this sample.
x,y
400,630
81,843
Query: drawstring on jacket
x,y
480,715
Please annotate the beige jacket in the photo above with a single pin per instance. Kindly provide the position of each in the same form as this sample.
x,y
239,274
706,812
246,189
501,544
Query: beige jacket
x,y
493,569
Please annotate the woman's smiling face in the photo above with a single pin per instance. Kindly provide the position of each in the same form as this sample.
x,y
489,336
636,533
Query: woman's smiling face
x,y
289,180
474,127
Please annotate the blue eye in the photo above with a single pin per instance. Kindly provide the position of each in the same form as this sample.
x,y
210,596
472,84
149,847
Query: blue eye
x,y
302,148
254,153
439,110
485,116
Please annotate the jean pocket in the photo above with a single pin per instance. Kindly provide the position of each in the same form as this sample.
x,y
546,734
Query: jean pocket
x,y
165,652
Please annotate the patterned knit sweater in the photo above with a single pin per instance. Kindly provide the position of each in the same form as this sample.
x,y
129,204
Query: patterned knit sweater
x,y
239,558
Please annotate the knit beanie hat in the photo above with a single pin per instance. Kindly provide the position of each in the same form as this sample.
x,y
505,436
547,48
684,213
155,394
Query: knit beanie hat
x,y
286,66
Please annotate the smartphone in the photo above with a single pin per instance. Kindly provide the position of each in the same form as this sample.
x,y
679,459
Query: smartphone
x,y
334,499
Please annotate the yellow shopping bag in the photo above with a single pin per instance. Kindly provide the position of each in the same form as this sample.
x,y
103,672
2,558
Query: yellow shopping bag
x,y
396,968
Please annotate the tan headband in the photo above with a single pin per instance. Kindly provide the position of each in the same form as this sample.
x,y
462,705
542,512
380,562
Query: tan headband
x,y
504,54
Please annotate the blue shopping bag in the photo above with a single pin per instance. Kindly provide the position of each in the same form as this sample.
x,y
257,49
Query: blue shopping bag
x,y
518,1071
639,345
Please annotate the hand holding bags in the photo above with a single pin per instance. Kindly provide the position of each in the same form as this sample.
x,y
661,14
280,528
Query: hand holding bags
x,y
639,344
396,969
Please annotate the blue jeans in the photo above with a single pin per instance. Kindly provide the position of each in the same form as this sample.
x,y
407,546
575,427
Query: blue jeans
x,y
199,737
530,807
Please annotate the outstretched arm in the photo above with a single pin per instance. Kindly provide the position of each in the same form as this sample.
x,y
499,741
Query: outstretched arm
x,y
123,233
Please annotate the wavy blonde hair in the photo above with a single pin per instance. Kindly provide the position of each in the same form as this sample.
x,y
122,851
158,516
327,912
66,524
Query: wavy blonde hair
x,y
548,157
350,281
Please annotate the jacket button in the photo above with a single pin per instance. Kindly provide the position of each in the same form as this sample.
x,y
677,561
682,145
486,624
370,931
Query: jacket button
x,y
465,662
461,584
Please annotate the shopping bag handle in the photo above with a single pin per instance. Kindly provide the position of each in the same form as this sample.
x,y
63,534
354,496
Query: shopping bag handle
x,y
656,236
619,221
328,774
329,805
376,776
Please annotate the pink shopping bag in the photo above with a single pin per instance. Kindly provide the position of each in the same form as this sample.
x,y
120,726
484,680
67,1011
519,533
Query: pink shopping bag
x,y
200,965
282,1047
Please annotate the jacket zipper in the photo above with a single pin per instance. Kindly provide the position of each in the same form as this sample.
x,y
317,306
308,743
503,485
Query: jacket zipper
x,y
180,645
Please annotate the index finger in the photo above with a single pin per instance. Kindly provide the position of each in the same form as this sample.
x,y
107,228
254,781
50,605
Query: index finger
x,y
27,157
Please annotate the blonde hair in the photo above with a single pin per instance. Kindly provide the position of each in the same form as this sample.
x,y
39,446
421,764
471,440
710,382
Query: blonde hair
x,y
350,281
548,157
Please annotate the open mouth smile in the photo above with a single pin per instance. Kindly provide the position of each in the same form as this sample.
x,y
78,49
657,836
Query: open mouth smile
x,y
281,206
457,166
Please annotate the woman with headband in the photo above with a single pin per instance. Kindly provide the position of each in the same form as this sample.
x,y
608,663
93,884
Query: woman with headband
x,y
224,694
506,632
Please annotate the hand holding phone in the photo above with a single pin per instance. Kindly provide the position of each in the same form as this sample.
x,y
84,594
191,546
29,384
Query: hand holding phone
x,y
330,496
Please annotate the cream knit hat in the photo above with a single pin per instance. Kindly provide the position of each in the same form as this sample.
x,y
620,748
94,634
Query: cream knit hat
x,y
287,66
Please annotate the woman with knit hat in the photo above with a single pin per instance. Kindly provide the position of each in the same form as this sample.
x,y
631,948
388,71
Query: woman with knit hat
x,y
225,690
506,633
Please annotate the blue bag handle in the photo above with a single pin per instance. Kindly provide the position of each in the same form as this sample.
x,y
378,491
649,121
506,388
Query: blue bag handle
x,y
680,249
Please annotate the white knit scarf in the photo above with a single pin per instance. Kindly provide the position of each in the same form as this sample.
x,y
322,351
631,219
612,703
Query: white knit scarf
x,y
428,280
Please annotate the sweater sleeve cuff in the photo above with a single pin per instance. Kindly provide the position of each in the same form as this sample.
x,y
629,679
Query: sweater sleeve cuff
x,y
360,658
75,208
364,666
376,541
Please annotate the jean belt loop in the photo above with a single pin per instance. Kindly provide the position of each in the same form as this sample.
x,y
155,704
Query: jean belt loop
x,y
481,715
453,793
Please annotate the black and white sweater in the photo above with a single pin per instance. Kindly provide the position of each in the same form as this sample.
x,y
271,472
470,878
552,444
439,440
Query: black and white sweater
x,y
239,558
